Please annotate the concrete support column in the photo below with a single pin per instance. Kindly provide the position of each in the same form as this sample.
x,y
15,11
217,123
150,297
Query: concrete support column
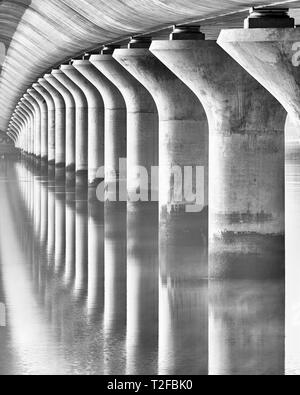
x,y
51,122
246,158
271,55
25,121
15,128
37,116
81,132
183,125
18,117
27,109
60,123
142,119
70,118
95,132
44,121
114,134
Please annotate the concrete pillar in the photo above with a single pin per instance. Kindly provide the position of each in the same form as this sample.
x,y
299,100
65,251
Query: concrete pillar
x,y
51,122
183,124
44,121
114,133
270,54
70,118
60,123
28,109
142,119
246,158
25,117
37,115
95,133
19,124
81,139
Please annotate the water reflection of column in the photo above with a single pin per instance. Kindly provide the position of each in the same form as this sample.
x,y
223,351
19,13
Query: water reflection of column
x,y
142,289
60,226
246,328
81,251
51,219
115,287
37,202
44,212
183,298
96,261
292,348
70,235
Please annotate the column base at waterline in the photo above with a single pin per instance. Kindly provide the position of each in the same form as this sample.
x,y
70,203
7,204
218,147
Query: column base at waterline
x,y
93,190
51,169
70,176
81,184
60,173
44,166
184,244
247,256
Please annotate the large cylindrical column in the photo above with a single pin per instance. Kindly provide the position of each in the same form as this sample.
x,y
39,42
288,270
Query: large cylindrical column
x,y
142,118
60,123
95,132
37,115
44,122
81,138
26,108
246,158
183,149
22,121
19,115
183,124
115,124
70,118
51,122
270,53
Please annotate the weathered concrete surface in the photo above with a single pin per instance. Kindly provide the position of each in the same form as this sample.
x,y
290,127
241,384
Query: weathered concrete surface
x,y
37,124
81,132
82,77
183,129
246,158
60,122
272,57
44,122
141,130
51,121
27,107
70,117
108,147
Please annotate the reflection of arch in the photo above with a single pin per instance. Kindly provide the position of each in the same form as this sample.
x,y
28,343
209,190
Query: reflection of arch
x,y
2,315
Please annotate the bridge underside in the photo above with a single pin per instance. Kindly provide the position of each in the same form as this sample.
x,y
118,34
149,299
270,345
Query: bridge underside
x,y
39,34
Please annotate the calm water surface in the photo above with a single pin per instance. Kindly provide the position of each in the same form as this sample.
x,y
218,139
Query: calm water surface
x,y
88,289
